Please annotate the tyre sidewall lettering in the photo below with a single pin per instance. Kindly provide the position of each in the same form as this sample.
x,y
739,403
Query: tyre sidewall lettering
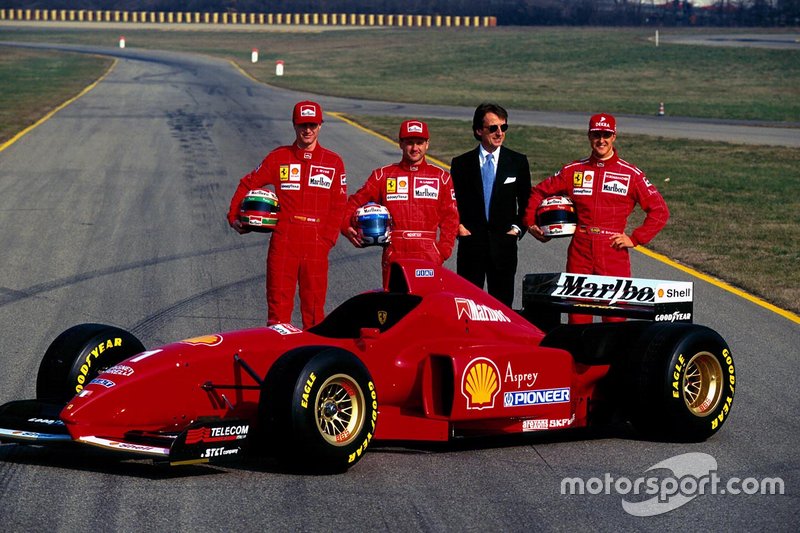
x,y
100,353
91,359
373,399
307,436
730,386
690,346
307,388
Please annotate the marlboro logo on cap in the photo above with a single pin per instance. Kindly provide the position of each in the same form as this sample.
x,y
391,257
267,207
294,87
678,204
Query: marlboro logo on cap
x,y
307,112
414,129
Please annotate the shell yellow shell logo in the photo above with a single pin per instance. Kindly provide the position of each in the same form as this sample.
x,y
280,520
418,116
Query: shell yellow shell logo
x,y
205,340
480,383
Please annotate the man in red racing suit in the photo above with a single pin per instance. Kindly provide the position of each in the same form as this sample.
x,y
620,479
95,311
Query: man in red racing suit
x,y
604,189
310,182
419,197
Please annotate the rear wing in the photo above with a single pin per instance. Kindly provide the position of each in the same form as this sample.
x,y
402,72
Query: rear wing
x,y
546,296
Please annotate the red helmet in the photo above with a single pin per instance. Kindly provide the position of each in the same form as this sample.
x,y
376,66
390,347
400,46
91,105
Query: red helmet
x,y
259,211
556,216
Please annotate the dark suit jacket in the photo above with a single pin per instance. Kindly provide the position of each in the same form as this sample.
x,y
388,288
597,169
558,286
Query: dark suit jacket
x,y
489,254
512,188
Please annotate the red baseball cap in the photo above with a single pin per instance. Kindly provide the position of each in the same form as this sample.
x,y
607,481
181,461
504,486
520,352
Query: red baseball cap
x,y
603,122
414,129
306,112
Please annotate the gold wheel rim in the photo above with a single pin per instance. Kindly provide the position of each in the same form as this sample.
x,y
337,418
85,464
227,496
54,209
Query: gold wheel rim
x,y
340,410
702,384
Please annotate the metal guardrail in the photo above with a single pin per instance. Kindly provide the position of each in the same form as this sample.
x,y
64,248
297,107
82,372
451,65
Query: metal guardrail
x,y
323,19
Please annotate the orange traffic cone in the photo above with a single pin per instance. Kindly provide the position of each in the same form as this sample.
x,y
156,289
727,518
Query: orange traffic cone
x,y
661,109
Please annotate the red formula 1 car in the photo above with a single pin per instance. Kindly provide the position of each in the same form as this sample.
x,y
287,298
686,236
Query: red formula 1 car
x,y
431,359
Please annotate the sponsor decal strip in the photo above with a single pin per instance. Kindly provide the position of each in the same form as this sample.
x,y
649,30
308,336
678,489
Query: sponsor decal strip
x,y
536,397
33,435
124,446
612,290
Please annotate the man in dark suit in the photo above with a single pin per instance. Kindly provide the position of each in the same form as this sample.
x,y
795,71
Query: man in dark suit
x,y
492,185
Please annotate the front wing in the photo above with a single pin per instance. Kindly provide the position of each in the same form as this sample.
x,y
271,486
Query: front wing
x,y
38,422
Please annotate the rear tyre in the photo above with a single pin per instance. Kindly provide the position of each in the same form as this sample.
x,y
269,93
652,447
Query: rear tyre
x,y
78,355
681,379
325,420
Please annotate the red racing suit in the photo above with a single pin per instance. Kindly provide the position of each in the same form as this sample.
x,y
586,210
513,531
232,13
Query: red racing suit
x,y
311,188
605,193
421,201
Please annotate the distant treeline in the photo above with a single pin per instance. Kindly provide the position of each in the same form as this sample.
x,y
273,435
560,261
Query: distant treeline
x,y
508,12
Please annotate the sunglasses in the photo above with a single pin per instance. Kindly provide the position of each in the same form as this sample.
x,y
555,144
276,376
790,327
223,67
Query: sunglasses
x,y
494,127
600,134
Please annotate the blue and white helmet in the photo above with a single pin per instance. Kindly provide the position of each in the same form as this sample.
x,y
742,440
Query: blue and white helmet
x,y
373,222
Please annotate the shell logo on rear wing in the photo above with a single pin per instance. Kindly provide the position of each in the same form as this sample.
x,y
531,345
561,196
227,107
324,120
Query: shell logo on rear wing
x,y
658,300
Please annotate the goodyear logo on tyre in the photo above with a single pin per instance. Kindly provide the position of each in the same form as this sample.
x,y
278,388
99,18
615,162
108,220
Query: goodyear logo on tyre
x,y
101,347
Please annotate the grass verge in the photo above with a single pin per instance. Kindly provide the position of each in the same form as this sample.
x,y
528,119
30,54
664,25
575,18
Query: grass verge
x,y
562,69
33,82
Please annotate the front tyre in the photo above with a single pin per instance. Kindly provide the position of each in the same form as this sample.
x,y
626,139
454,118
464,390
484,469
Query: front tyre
x,y
681,379
333,410
78,355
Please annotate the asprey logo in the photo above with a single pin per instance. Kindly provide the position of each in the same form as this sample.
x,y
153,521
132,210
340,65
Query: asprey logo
x,y
478,312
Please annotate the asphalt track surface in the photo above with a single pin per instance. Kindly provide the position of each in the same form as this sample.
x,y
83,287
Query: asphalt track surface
x,y
775,41
113,211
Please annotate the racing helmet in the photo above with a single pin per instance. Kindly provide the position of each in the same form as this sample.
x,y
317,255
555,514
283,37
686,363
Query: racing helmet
x,y
259,211
373,223
556,216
